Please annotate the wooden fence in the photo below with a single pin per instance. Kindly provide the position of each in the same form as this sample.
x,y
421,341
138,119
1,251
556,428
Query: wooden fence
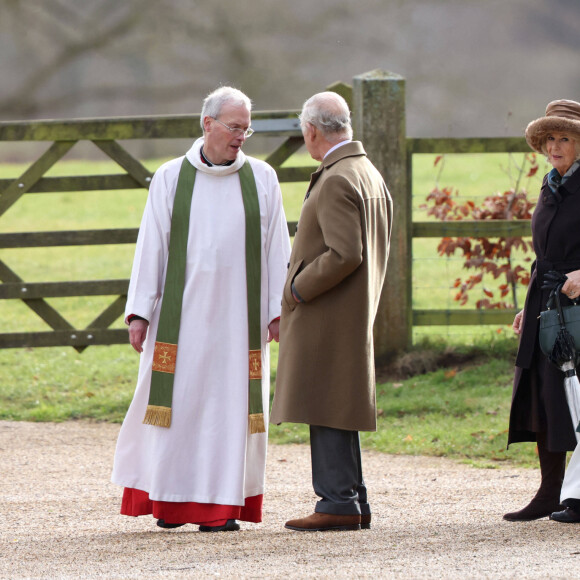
x,y
377,100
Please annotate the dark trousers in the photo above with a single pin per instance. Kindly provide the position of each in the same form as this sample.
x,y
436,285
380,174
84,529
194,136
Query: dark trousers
x,y
337,471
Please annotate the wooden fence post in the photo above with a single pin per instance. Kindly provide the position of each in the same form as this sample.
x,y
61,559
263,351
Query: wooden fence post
x,y
379,122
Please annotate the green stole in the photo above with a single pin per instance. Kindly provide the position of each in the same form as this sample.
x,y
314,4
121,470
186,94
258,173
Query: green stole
x,y
165,353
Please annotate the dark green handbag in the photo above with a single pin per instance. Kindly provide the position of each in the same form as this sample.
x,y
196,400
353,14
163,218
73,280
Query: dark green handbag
x,y
553,320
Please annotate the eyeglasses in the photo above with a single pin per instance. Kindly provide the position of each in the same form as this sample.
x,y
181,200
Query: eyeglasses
x,y
236,131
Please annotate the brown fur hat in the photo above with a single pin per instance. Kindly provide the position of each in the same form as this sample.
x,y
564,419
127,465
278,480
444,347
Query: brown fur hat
x,y
561,115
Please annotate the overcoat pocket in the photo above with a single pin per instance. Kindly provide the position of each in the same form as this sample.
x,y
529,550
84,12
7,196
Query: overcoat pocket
x,y
288,298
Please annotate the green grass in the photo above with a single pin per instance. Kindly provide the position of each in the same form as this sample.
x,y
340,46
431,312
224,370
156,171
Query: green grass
x,y
460,413
58,384
457,412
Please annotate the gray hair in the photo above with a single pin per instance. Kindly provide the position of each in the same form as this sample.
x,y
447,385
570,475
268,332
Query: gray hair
x,y
329,113
213,103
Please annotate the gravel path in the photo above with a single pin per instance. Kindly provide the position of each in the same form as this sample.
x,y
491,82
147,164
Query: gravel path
x,y
433,518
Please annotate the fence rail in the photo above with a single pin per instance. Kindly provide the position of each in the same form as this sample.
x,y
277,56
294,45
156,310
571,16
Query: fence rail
x,y
471,229
273,123
468,145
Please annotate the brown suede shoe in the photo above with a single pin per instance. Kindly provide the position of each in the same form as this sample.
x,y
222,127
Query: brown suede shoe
x,y
319,522
365,522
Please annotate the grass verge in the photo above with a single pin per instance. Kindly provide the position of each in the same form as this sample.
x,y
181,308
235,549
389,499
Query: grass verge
x,y
459,410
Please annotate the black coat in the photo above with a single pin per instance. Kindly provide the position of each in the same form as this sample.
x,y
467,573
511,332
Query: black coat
x,y
539,402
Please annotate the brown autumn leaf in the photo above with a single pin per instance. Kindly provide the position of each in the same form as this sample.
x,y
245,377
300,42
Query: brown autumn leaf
x,y
532,171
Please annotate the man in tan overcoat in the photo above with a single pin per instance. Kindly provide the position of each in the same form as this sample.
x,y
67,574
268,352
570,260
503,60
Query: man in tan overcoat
x,y
326,375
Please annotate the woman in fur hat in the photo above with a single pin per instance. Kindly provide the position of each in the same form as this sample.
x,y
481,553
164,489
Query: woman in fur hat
x,y
539,409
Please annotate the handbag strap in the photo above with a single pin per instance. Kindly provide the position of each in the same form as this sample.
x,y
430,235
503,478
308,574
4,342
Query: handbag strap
x,y
557,291
555,297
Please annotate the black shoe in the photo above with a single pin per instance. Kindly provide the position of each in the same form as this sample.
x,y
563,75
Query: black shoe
x,y
167,526
535,510
365,522
567,516
229,526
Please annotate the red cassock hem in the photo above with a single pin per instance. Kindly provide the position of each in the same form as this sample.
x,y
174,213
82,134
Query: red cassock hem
x,y
137,503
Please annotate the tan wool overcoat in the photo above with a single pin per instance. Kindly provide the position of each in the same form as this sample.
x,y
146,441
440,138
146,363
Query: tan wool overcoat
x,y
326,372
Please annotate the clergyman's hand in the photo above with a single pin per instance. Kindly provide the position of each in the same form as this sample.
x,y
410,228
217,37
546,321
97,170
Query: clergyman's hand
x,y
274,330
138,334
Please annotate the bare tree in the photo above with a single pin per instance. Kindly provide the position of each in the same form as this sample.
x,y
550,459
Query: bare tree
x,y
465,61
49,39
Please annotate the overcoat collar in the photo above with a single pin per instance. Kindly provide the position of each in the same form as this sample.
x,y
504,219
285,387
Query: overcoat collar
x,y
572,184
569,187
352,149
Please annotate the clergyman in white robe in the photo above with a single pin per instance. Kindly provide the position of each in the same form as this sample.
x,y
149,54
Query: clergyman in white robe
x,y
207,459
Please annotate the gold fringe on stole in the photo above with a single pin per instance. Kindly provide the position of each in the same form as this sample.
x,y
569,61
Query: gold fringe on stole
x,y
158,416
257,423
